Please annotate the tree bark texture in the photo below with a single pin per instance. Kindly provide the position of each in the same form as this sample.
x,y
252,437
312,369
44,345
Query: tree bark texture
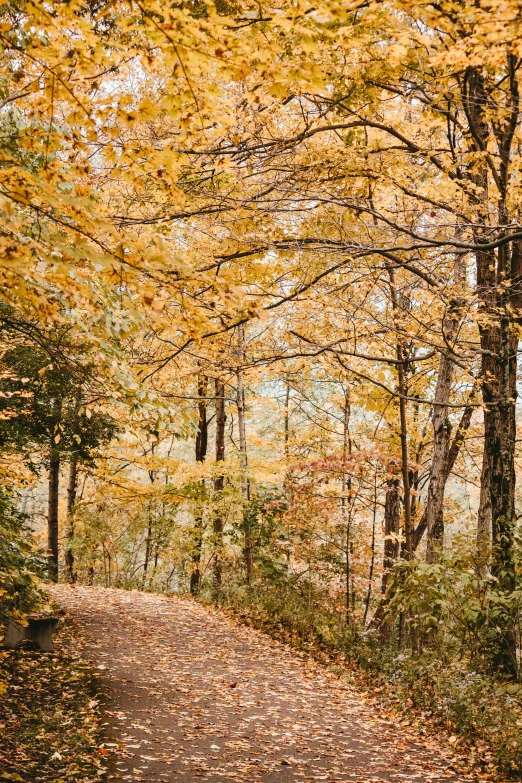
x,y
52,518
219,482
71,497
243,457
392,518
497,276
441,441
392,506
453,453
403,431
346,505
201,452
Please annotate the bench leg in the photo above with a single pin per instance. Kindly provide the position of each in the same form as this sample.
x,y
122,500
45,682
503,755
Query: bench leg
x,y
43,637
14,635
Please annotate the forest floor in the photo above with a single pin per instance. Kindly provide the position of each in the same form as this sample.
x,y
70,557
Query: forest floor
x,y
193,696
50,722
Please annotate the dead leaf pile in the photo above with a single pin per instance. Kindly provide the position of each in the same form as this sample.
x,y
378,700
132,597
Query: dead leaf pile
x,y
49,715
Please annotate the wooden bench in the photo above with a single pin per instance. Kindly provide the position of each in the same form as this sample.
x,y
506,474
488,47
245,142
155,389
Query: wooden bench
x,y
39,630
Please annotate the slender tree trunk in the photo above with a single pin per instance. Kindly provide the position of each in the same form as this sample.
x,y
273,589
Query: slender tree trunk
x,y
372,558
442,431
404,459
219,483
201,452
392,506
71,497
393,502
72,484
441,441
392,516
52,519
287,463
414,470
287,422
346,507
149,543
54,493
402,392
245,485
195,576
392,527
452,455
348,571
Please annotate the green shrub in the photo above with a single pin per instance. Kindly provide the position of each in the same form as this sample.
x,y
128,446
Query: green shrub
x,y
466,703
20,565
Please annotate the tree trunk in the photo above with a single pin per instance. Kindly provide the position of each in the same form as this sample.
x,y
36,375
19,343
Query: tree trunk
x,y
149,542
392,527
372,557
403,419
498,341
346,505
484,511
419,531
442,430
71,497
245,485
52,519
287,422
287,463
219,483
441,441
499,447
495,274
201,452
499,394
148,546
404,460
392,516
453,453
498,376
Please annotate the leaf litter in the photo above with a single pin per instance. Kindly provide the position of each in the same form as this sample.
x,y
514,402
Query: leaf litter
x,y
50,724
193,696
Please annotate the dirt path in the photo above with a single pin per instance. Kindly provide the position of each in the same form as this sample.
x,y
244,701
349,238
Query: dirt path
x,y
194,697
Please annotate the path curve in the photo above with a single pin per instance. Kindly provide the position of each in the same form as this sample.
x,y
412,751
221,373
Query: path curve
x,y
195,697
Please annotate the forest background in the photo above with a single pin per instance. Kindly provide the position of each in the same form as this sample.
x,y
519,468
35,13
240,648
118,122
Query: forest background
x,y
262,287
